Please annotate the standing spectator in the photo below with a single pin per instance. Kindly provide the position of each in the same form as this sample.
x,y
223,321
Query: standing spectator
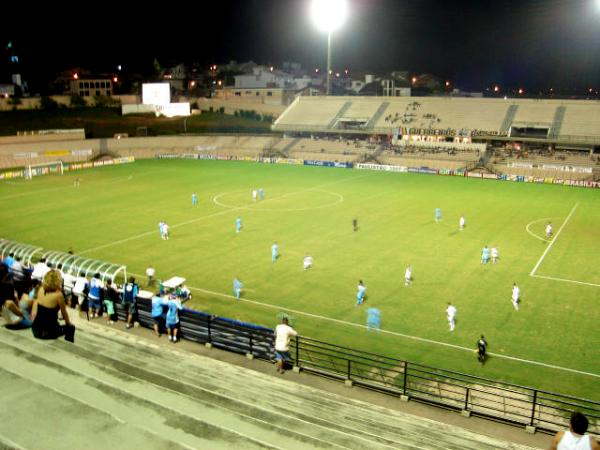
x,y
481,349
79,292
130,291
45,310
283,335
95,295
150,272
158,313
40,269
173,307
451,315
110,297
575,438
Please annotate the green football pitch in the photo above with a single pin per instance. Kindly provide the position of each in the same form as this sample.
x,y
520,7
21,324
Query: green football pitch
x,y
551,343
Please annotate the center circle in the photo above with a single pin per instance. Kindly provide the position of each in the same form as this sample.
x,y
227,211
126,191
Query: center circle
x,y
263,205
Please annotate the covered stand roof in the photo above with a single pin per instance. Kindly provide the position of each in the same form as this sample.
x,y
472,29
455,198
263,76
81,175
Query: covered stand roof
x,y
70,263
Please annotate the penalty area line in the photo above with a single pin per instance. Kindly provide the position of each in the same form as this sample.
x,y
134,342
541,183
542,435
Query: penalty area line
x,y
553,240
566,280
393,333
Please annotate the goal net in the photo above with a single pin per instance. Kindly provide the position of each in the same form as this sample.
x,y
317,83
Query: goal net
x,y
53,167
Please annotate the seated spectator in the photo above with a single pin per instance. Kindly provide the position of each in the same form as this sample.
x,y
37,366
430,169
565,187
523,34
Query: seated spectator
x,y
18,316
575,438
18,275
7,288
45,310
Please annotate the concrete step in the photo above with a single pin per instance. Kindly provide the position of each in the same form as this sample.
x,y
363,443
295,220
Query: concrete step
x,y
176,399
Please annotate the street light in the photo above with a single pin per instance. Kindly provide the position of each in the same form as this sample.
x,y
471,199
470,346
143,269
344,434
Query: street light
x,y
328,16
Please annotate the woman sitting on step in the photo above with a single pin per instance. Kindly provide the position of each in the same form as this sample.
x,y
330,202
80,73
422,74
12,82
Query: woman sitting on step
x,y
45,310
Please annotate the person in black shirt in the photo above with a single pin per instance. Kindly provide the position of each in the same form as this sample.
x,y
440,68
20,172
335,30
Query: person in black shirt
x,y
481,349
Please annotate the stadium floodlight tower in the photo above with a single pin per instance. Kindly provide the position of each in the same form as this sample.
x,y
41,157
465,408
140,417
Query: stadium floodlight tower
x,y
328,16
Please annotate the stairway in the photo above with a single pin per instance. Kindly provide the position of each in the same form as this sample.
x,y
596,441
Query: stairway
x,y
115,390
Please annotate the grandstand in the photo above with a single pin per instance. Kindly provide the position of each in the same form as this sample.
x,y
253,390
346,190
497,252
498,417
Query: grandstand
x,y
115,390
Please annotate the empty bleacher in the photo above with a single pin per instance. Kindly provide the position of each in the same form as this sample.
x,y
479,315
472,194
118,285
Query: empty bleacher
x,y
116,390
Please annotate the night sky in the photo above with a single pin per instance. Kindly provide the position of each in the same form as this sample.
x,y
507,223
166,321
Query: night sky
x,y
531,43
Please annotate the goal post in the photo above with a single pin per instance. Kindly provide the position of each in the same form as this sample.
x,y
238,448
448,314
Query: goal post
x,y
53,167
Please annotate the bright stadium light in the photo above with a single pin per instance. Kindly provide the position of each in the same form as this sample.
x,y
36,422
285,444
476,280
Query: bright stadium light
x,y
328,16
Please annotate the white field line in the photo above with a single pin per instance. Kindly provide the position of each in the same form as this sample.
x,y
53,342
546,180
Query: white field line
x,y
553,240
219,213
536,221
393,333
565,280
10,444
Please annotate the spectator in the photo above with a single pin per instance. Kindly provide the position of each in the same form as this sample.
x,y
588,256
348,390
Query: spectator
x,y
130,291
18,316
150,274
95,295
9,260
174,306
46,307
575,438
19,276
110,297
40,269
283,335
158,313
7,288
80,290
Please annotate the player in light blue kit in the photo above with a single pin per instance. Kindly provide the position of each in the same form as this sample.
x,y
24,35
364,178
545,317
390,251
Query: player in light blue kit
x,y
438,214
261,194
194,199
274,252
373,319
485,255
360,295
237,287
238,224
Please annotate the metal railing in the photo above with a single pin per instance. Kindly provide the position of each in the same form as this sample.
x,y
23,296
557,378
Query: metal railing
x,y
510,403
547,411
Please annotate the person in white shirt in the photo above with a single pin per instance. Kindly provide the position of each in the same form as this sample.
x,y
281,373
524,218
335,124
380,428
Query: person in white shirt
x,y
516,296
548,230
575,438
495,255
461,223
283,335
165,233
451,315
150,274
308,262
408,276
40,269
254,193
79,289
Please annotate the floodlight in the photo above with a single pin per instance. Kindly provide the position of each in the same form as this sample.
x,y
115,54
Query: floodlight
x,y
328,15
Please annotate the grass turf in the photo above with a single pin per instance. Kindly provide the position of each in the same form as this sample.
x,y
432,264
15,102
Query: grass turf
x,y
114,214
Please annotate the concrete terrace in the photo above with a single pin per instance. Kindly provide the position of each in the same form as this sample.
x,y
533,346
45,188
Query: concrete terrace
x,y
116,389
